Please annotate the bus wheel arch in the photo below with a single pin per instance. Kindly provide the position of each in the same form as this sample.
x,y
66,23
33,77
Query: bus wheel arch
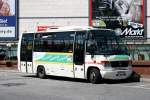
x,y
93,75
41,72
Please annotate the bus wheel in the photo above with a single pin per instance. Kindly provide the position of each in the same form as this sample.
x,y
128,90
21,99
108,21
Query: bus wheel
x,y
94,76
41,72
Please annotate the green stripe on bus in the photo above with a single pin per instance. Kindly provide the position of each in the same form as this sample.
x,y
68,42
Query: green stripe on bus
x,y
57,58
46,62
119,57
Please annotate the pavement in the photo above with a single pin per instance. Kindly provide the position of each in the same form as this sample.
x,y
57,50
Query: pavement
x,y
19,86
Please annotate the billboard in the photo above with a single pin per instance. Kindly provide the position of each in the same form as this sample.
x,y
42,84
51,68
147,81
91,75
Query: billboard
x,y
8,20
126,17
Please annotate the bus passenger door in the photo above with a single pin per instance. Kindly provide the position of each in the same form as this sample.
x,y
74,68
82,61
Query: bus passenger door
x,y
26,64
79,48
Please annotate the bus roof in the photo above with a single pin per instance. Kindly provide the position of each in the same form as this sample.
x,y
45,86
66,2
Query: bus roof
x,y
71,28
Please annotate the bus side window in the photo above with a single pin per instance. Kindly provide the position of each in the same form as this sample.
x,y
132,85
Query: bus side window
x,y
79,48
38,45
91,44
65,42
54,42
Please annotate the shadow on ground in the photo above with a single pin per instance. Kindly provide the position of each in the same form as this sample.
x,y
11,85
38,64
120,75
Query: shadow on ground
x,y
134,78
48,77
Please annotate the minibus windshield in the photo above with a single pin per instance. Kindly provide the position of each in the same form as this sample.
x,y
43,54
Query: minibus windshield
x,y
105,42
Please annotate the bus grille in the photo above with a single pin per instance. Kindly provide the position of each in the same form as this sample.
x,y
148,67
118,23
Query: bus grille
x,y
119,63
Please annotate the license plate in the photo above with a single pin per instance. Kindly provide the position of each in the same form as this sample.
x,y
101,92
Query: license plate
x,y
121,73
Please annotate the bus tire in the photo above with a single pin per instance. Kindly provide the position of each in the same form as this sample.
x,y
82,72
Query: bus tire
x,y
41,72
94,76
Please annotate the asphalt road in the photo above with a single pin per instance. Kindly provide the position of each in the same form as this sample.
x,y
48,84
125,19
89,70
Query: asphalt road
x,y
18,86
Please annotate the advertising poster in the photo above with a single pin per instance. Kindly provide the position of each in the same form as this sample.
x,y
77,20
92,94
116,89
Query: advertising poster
x,y
126,17
8,19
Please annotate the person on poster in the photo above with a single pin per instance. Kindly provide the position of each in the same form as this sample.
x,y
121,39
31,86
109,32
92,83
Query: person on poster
x,y
117,12
125,9
6,8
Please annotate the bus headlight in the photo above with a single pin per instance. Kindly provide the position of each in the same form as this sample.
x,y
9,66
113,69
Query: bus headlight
x,y
106,63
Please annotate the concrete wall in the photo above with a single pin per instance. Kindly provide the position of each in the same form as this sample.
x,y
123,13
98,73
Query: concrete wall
x,y
27,25
33,13
53,8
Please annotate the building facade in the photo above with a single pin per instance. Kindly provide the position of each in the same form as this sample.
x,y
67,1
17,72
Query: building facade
x,y
33,13
38,15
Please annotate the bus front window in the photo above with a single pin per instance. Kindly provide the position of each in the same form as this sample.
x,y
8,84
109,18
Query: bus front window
x,y
105,42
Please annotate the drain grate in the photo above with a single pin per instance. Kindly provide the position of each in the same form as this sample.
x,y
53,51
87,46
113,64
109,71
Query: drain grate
x,y
13,84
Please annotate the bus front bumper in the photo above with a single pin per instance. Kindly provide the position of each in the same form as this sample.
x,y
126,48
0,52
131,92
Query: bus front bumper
x,y
115,74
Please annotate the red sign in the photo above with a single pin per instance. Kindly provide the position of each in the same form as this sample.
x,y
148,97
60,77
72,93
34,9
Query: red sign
x,y
44,28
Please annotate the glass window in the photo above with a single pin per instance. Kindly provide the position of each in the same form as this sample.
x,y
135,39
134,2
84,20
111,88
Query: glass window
x,y
105,42
79,48
26,47
54,42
